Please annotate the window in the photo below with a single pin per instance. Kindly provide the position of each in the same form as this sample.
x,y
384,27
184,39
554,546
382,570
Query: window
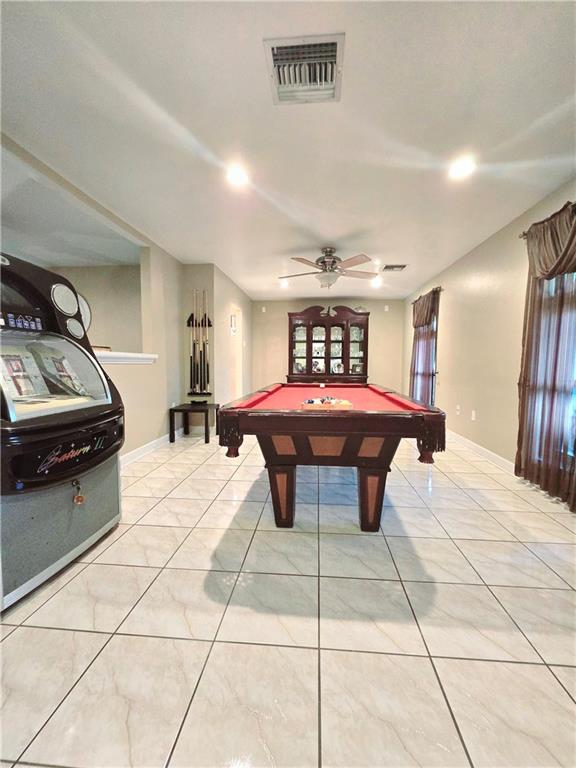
x,y
547,388
424,348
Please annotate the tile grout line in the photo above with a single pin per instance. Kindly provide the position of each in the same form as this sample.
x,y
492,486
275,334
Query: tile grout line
x,y
110,638
57,707
105,645
254,530
455,541
212,644
533,507
572,587
447,702
70,565
545,663
489,512
503,607
488,586
525,544
553,671
332,649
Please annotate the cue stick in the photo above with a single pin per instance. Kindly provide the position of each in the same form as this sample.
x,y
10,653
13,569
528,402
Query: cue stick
x,y
202,345
192,347
194,331
207,348
205,341
205,337
193,350
198,350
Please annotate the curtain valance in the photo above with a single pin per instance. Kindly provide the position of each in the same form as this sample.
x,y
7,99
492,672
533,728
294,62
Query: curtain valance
x,y
424,308
552,244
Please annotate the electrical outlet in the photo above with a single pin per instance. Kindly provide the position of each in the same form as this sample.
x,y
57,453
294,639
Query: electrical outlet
x,y
457,410
473,415
263,309
386,308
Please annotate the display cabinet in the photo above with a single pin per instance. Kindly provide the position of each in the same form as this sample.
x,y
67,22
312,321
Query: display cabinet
x,y
328,344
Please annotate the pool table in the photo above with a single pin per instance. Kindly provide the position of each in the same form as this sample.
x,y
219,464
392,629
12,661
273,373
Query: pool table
x,y
365,434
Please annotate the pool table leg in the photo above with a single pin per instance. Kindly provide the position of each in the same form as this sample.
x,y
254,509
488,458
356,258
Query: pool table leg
x,y
282,486
371,487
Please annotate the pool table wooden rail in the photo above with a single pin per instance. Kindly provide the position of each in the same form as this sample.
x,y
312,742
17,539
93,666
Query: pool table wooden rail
x,y
427,427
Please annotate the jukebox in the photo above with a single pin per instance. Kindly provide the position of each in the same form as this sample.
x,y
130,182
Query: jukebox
x,y
62,426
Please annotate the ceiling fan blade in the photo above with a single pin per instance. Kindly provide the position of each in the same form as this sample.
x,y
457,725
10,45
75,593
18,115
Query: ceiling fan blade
x,y
300,274
356,273
305,261
354,261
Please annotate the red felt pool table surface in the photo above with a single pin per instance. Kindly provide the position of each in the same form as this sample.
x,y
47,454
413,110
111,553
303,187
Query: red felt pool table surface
x,y
363,397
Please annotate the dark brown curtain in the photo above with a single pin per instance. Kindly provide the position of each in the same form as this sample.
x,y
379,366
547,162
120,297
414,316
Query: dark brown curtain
x,y
423,365
546,452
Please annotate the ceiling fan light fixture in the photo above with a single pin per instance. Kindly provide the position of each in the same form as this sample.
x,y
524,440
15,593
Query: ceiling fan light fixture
x,y
376,282
326,279
284,283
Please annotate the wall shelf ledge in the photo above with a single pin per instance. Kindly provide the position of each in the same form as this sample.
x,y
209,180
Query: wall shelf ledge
x,y
130,358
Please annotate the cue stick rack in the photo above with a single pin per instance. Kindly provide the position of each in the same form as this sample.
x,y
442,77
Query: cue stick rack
x,y
199,324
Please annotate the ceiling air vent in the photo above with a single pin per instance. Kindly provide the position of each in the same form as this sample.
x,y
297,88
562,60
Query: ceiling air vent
x,y
305,69
393,267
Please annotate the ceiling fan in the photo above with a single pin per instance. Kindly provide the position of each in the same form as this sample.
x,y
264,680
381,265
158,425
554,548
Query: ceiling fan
x,y
330,267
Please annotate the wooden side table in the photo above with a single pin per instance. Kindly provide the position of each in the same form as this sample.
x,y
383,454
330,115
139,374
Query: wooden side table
x,y
186,409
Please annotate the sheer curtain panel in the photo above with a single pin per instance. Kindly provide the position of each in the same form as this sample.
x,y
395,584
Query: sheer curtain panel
x,y
546,452
423,365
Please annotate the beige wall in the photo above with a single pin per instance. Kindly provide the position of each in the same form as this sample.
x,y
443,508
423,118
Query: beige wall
x,y
233,358
270,338
480,332
228,352
149,390
115,300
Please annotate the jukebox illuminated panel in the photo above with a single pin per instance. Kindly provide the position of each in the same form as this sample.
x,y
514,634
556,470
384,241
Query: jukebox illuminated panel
x,y
62,426
44,374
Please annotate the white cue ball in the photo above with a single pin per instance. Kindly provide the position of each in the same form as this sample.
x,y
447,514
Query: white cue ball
x,y
322,385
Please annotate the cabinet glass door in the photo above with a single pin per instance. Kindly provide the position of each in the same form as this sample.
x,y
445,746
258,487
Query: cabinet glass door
x,y
318,349
299,349
337,349
356,350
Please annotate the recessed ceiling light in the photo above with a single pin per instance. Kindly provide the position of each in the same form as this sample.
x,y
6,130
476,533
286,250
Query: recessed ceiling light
x,y
284,283
237,175
376,282
462,167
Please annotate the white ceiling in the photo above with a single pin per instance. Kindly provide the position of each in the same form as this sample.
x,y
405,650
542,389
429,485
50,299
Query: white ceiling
x,y
140,104
42,225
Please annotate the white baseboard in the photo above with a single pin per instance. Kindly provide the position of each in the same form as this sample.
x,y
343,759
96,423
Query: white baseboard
x,y
153,445
142,450
500,461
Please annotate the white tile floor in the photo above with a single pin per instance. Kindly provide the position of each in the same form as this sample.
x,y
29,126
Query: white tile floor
x,y
198,635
